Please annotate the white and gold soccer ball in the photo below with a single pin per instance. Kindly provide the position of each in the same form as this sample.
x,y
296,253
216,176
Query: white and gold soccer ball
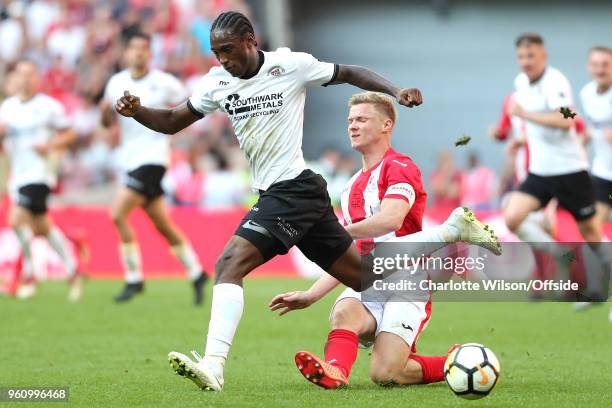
x,y
471,371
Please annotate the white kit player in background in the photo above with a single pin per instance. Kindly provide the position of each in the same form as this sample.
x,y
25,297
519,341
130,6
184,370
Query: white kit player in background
x,y
35,127
596,100
142,157
557,159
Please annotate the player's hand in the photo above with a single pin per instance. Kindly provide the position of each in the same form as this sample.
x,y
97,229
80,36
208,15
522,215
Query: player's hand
x,y
409,97
128,105
514,109
494,132
287,302
607,132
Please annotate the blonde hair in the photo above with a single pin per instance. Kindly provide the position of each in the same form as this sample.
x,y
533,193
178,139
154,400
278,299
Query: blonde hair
x,y
382,102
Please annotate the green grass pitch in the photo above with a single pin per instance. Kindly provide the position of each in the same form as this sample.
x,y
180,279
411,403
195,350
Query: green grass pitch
x,y
113,355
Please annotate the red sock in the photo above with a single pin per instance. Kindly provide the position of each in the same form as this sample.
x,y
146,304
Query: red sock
x,y
432,366
341,349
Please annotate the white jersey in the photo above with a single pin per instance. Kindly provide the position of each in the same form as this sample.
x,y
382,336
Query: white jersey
x,y
266,111
598,111
552,151
28,124
140,145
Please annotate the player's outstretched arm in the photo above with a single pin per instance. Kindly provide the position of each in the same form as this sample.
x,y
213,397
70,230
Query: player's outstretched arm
x,y
168,121
389,219
287,302
369,80
549,119
63,139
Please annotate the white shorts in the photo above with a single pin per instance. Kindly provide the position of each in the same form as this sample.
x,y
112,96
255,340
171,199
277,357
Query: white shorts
x,y
405,319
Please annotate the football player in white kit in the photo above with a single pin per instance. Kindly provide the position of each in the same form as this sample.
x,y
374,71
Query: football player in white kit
x,y
143,155
596,99
382,202
263,94
557,159
34,127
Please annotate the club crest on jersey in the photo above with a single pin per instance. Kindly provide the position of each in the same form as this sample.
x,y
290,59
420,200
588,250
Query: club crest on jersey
x,y
276,71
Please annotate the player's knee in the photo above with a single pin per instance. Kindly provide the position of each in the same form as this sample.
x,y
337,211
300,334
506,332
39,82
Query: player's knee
x,y
512,220
232,265
164,229
385,374
118,219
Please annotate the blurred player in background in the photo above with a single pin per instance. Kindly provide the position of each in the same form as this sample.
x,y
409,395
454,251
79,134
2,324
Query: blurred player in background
x,y
143,156
382,202
596,99
511,129
557,160
35,128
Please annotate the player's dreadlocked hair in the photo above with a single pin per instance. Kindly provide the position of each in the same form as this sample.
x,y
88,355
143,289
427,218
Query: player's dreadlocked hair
x,y
233,21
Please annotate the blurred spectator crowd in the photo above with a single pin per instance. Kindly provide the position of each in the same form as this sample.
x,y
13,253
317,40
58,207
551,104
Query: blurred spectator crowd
x,y
78,45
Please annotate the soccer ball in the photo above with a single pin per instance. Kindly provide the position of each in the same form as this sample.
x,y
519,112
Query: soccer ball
x,y
471,371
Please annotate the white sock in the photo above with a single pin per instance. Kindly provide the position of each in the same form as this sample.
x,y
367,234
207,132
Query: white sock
x,y
227,305
187,256
24,236
130,255
427,241
59,243
532,232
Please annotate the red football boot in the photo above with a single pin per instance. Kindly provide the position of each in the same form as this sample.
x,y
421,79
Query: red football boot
x,y
318,371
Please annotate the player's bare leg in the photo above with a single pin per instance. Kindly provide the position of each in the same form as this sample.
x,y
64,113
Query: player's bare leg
x,y
238,259
393,363
19,219
348,270
349,320
157,211
520,205
42,226
591,231
126,201
603,211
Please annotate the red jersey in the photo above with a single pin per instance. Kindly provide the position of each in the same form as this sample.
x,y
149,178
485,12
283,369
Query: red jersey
x,y
395,176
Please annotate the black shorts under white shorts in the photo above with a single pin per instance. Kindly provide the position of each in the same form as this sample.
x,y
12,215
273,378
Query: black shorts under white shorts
x,y
33,197
296,212
146,180
574,192
603,190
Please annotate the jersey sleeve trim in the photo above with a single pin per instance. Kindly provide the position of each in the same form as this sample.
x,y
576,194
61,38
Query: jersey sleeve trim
x,y
194,110
403,191
398,197
334,76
